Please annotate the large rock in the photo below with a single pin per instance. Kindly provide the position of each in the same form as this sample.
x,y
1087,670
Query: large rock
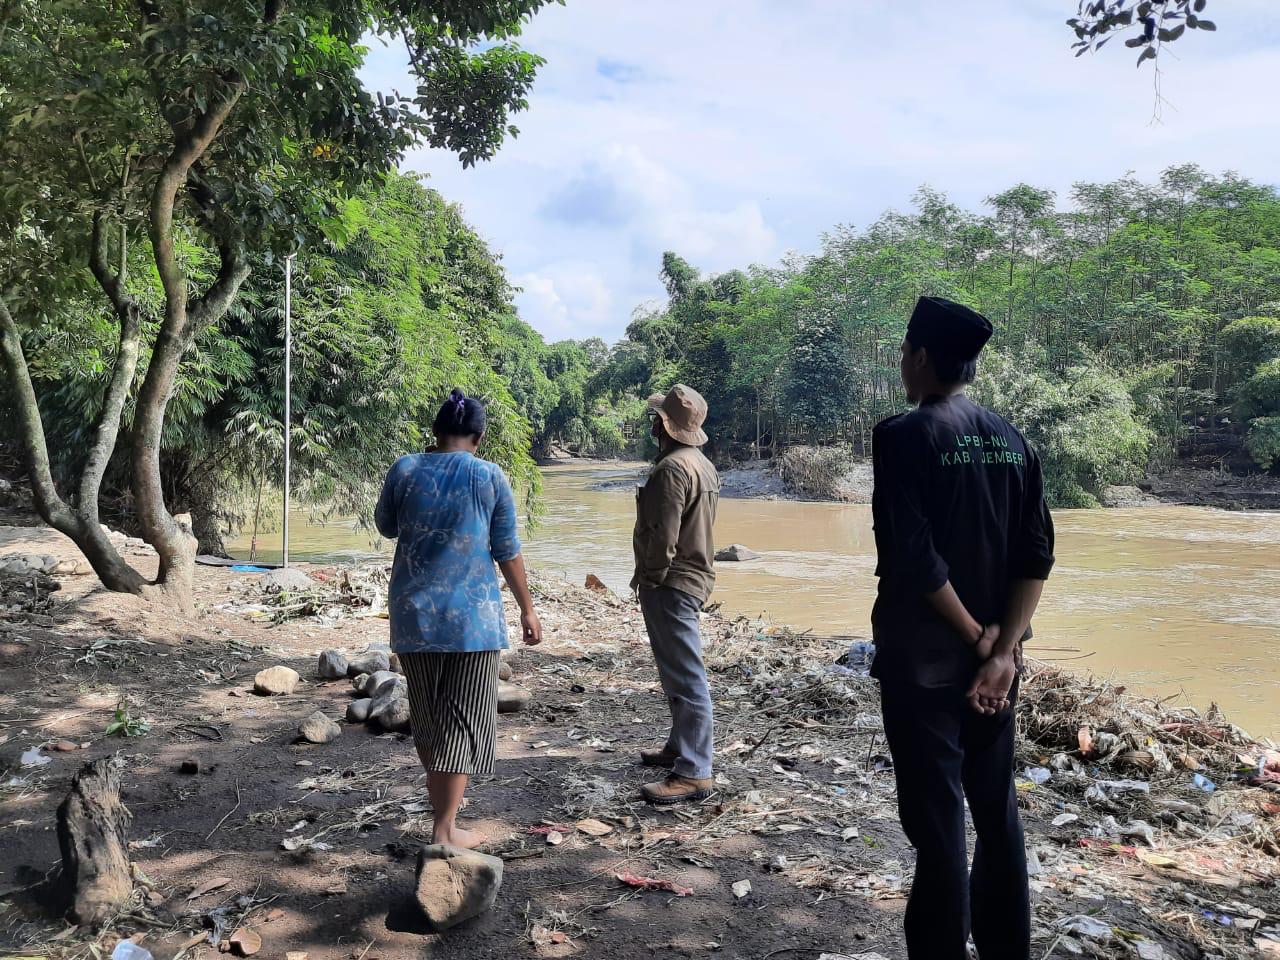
x,y
380,682
332,665
380,705
93,836
504,670
358,710
287,579
275,681
736,552
358,682
371,662
453,885
395,718
512,699
318,728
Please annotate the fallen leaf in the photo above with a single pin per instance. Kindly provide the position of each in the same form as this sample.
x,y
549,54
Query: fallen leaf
x,y
208,887
1156,859
245,942
554,838
594,828
651,883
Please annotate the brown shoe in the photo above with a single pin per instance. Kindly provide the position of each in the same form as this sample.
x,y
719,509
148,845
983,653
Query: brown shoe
x,y
658,758
676,789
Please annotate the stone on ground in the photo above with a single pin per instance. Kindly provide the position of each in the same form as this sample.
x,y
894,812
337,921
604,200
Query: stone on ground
x,y
93,836
358,710
332,665
358,682
381,704
318,728
512,699
395,718
736,552
275,681
287,578
453,885
504,670
380,682
370,662
394,660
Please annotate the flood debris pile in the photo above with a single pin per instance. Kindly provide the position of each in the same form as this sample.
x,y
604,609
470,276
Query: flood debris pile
x,y
1153,831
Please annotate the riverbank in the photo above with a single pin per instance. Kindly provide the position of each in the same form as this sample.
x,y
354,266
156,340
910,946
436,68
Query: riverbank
x,y
1179,485
312,845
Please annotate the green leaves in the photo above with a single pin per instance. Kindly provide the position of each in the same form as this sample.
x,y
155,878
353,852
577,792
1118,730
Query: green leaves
x,y
1156,22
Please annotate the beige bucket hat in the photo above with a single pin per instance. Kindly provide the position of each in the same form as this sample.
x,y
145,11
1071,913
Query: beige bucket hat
x,y
683,411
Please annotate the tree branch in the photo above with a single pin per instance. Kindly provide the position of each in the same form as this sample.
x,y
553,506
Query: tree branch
x,y
107,428
215,301
173,175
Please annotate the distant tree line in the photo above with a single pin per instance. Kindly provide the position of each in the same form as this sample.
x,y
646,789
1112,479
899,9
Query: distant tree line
x,y
1134,321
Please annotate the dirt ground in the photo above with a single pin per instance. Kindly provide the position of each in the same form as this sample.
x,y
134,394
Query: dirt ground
x,y
815,834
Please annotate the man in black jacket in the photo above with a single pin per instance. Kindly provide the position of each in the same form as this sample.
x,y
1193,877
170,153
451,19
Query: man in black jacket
x,y
964,543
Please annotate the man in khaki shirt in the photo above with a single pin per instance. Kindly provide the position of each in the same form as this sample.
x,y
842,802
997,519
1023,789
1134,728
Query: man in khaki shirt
x,y
675,511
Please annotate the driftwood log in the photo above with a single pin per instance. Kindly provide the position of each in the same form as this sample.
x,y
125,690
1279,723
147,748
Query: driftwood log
x,y
93,834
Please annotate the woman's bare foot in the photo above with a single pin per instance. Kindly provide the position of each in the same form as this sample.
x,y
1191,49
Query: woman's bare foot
x,y
458,837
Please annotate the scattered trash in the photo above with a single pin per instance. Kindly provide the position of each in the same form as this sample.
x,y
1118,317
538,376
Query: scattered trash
x,y
856,660
1084,926
128,950
1062,819
1203,783
1038,775
34,758
554,838
650,883
741,888
1104,790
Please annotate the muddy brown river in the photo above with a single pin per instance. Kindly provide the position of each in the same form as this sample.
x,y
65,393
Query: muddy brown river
x,y
1174,601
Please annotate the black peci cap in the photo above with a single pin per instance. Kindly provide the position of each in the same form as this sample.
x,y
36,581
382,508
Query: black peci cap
x,y
948,327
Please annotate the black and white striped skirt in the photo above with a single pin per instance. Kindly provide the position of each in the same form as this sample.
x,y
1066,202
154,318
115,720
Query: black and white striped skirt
x,y
453,706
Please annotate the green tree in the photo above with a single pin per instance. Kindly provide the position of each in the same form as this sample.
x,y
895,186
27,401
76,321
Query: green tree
x,y
235,128
1149,23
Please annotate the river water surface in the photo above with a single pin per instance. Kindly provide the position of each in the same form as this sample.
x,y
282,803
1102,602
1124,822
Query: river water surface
x,y
1174,601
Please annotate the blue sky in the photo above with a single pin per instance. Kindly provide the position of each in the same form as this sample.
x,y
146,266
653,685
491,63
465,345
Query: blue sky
x,y
735,131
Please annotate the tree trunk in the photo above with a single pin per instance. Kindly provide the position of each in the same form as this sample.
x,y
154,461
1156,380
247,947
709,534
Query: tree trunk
x,y
183,321
80,522
93,836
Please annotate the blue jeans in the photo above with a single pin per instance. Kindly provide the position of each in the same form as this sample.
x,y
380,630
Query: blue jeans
x,y
671,617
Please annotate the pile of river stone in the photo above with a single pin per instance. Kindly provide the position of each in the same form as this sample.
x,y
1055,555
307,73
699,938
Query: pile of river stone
x,y
382,696
25,564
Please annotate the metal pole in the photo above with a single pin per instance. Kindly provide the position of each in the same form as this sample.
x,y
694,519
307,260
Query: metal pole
x,y
288,356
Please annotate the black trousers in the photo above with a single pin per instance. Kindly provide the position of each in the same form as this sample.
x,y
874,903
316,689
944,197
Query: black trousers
x,y
944,753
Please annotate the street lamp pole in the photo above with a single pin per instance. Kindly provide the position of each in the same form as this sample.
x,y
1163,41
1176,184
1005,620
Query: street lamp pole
x,y
288,389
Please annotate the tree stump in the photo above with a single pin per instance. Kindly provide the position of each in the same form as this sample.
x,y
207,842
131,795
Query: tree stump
x,y
93,835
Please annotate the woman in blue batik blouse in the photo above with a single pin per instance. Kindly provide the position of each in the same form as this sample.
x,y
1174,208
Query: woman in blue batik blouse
x,y
452,515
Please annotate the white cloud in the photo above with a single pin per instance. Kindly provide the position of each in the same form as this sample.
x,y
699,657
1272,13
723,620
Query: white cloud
x,y
564,300
730,130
